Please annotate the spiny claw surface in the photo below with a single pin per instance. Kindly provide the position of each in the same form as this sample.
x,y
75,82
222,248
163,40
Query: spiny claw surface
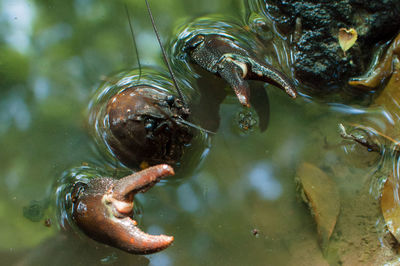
x,y
102,209
220,55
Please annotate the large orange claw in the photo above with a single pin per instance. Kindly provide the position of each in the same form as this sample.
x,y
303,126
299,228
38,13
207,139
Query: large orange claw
x,y
102,209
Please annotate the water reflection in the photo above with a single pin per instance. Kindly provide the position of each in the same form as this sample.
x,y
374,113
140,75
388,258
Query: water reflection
x,y
54,34
187,198
261,179
14,112
20,15
41,88
246,183
160,259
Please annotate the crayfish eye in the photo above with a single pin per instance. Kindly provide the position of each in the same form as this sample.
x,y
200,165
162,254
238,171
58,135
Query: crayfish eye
x,y
170,99
149,124
77,190
195,41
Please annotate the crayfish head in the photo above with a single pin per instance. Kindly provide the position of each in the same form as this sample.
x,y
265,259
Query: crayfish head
x,y
144,127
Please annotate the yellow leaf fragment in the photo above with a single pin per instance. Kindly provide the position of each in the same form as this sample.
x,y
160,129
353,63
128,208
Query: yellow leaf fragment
x,y
347,38
322,196
390,206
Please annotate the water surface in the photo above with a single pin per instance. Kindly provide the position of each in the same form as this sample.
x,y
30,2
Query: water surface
x,y
240,208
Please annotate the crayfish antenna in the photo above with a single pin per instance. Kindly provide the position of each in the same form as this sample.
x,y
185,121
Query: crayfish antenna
x,y
183,121
165,56
196,126
134,41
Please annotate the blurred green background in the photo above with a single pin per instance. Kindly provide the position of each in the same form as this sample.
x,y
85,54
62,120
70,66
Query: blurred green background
x,y
53,55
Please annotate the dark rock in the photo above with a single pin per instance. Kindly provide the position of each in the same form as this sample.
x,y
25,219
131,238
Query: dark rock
x,y
319,61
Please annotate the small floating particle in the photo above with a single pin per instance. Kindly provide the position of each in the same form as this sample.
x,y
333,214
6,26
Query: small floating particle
x,y
255,232
143,165
47,222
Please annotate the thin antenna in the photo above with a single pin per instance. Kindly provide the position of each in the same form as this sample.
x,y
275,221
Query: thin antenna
x,y
134,41
150,101
165,56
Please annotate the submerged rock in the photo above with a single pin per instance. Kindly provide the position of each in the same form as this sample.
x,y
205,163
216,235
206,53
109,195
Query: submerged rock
x,y
319,61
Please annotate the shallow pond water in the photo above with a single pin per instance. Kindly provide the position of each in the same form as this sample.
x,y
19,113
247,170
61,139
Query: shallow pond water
x,y
240,207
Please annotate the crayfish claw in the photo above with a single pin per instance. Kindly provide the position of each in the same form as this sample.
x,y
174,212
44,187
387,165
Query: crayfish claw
x,y
222,56
257,70
141,181
103,208
233,74
133,240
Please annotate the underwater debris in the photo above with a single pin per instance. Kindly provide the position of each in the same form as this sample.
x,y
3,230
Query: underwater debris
x,y
390,206
380,72
319,191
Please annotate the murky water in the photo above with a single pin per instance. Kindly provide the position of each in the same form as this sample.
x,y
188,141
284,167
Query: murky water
x,y
240,207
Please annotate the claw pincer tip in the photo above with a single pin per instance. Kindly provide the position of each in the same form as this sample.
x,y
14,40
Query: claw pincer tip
x,y
103,208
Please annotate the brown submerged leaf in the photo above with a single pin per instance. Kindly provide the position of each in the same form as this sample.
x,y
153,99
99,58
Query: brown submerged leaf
x,y
389,98
390,205
347,38
322,196
383,70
